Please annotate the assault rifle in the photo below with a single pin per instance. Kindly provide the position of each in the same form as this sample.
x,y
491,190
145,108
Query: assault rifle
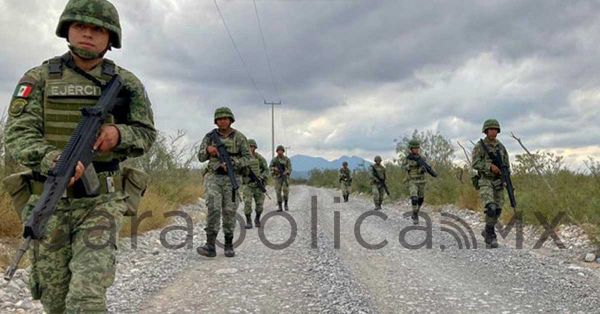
x,y
505,174
225,159
80,148
381,181
423,164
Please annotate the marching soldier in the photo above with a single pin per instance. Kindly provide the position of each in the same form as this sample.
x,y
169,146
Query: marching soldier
x,y
490,180
416,178
281,169
345,181
378,184
258,170
68,274
222,199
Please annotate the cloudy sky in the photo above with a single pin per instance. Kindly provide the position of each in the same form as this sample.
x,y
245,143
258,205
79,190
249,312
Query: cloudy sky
x,y
352,75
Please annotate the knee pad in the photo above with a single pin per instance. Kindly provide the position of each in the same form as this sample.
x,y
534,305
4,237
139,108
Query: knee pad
x,y
492,210
414,200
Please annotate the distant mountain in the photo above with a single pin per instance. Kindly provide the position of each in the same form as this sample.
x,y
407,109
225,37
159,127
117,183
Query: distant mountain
x,y
303,164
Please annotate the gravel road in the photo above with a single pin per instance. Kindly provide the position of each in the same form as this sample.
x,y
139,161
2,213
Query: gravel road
x,y
327,268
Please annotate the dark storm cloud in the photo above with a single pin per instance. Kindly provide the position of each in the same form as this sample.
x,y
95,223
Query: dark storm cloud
x,y
353,75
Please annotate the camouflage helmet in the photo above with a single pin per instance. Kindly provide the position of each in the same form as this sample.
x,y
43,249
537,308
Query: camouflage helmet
x,y
377,158
224,112
280,148
414,144
252,142
491,124
100,13
345,163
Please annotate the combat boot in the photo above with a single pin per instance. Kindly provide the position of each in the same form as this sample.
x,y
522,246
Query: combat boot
x,y
286,205
280,208
257,220
208,249
415,218
229,252
489,235
346,198
248,221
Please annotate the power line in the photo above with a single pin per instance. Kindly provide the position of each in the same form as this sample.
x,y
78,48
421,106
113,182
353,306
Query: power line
x,y
237,50
264,43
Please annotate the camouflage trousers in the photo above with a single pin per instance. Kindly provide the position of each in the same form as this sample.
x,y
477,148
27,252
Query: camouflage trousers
x,y
378,192
219,203
76,262
416,189
282,189
346,188
253,193
491,191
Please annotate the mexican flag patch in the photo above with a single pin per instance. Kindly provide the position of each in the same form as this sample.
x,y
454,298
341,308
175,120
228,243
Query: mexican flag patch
x,y
23,90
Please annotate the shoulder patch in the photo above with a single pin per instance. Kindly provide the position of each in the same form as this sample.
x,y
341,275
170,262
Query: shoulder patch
x,y
23,90
17,106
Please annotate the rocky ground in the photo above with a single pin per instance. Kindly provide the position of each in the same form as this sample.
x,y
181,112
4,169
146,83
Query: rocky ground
x,y
327,270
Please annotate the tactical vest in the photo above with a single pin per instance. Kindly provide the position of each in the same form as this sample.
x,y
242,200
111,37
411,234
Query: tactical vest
x,y
66,93
255,165
380,172
230,145
415,172
497,149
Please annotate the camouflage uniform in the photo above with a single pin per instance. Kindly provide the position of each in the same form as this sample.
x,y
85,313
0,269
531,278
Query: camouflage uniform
x,y
416,180
75,263
258,165
282,184
376,186
345,179
217,184
490,185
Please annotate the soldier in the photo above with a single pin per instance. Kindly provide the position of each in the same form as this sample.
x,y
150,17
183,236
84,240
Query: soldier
x,y
258,166
221,198
345,180
490,180
67,273
281,169
416,178
378,178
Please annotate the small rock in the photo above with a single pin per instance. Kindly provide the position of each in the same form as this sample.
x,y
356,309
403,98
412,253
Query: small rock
x,y
574,267
7,305
155,252
590,257
226,271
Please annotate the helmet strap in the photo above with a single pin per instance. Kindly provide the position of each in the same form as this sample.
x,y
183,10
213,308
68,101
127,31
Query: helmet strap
x,y
86,54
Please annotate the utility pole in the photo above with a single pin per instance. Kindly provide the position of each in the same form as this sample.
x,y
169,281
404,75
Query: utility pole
x,y
273,104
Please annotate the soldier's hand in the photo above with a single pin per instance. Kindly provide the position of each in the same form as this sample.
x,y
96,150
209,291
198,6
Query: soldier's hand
x,y
79,169
213,151
224,166
108,139
495,170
